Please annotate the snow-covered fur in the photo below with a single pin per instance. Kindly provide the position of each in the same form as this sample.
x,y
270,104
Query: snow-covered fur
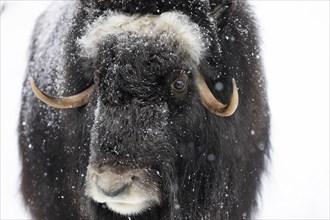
x,y
171,25
140,149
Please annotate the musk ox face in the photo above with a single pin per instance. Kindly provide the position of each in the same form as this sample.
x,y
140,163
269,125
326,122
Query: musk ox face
x,y
147,81
145,88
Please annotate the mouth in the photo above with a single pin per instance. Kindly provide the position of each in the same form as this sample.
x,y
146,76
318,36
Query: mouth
x,y
122,193
126,208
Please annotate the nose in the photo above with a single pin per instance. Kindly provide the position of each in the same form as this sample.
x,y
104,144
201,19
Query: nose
x,y
114,191
124,190
113,183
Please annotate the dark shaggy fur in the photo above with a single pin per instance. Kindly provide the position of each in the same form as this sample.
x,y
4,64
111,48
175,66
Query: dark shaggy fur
x,y
210,167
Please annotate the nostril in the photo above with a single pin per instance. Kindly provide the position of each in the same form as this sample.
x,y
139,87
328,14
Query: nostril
x,y
134,178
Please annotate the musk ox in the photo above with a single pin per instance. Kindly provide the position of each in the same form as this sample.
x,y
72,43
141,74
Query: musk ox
x,y
137,109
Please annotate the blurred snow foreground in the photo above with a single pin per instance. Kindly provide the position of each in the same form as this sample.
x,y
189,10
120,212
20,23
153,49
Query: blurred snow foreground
x,y
298,183
2,7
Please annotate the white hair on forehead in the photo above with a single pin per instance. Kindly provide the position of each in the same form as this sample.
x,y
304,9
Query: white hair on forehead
x,y
175,25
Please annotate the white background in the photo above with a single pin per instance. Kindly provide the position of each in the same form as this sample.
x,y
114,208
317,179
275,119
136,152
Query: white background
x,y
296,56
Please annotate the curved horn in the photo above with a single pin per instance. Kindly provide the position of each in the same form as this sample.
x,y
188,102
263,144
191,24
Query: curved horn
x,y
211,103
65,102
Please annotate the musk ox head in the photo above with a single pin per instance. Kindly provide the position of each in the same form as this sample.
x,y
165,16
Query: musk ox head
x,y
150,89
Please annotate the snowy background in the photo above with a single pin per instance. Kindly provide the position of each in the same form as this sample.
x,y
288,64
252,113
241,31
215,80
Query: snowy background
x,y
296,56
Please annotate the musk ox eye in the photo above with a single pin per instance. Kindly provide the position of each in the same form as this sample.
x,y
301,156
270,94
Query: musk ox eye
x,y
179,85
